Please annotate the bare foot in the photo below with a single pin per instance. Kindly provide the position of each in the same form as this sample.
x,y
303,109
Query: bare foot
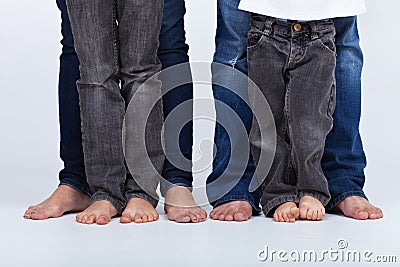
x,y
64,199
181,207
286,212
359,208
139,211
238,210
99,212
311,209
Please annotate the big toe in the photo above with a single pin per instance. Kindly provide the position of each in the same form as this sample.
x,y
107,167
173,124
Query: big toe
x,y
102,220
38,215
125,218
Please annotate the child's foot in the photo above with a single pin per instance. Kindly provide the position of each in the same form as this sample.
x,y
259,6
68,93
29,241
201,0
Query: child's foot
x,y
99,212
64,199
311,209
181,207
139,211
286,212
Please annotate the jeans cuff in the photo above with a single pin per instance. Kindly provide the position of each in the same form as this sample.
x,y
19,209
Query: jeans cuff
x,y
270,205
103,196
143,196
166,184
336,200
71,182
236,197
317,195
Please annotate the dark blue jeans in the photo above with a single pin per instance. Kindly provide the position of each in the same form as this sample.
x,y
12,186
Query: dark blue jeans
x,y
173,50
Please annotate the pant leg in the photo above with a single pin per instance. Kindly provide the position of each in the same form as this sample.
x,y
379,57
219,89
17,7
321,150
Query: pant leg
x,y
310,105
344,158
174,50
139,24
231,42
267,57
101,104
71,152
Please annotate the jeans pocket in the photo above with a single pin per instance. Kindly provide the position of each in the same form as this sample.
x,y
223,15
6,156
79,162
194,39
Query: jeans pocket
x,y
327,44
254,39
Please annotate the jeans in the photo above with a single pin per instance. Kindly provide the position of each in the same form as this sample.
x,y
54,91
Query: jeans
x,y
230,41
172,50
344,159
293,64
117,41
71,151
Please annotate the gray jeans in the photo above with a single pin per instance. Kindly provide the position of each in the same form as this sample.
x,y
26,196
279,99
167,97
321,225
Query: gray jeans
x,y
293,64
116,42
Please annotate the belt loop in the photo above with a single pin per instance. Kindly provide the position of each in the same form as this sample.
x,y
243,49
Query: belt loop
x,y
314,30
268,25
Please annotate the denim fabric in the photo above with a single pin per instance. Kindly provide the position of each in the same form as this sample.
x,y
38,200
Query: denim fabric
x,y
230,41
71,153
116,41
344,159
293,64
174,50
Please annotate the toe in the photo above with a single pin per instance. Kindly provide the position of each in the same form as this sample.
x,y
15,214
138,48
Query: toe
x,y
303,213
138,218
314,215
102,220
92,219
125,218
309,215
145,218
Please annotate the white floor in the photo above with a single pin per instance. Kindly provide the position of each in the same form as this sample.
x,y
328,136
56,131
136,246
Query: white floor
x,y
63,242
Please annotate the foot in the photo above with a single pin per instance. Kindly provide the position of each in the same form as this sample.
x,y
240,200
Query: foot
x,y
359,208
238,210
287,212
139,210
311,209
181,207
64,199
99,212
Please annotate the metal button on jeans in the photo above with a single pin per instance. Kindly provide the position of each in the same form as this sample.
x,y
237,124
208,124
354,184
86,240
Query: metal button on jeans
x,y
297,27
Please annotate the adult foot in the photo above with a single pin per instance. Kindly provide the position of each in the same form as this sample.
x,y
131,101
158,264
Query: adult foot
x,y
358,208
64,199
311,209
99,212
286,212
139,211
181,207
238,210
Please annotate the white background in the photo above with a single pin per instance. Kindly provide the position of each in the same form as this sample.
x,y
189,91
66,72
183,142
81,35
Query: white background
x,y
29,162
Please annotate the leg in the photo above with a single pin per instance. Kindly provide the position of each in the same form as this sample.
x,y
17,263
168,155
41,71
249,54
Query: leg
x,y
231,39
180,205
102,106
139,28
310,105
267,57
73,193
344,159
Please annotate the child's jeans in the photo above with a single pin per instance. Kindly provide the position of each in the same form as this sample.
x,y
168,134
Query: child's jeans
x,y
116,40
293,64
